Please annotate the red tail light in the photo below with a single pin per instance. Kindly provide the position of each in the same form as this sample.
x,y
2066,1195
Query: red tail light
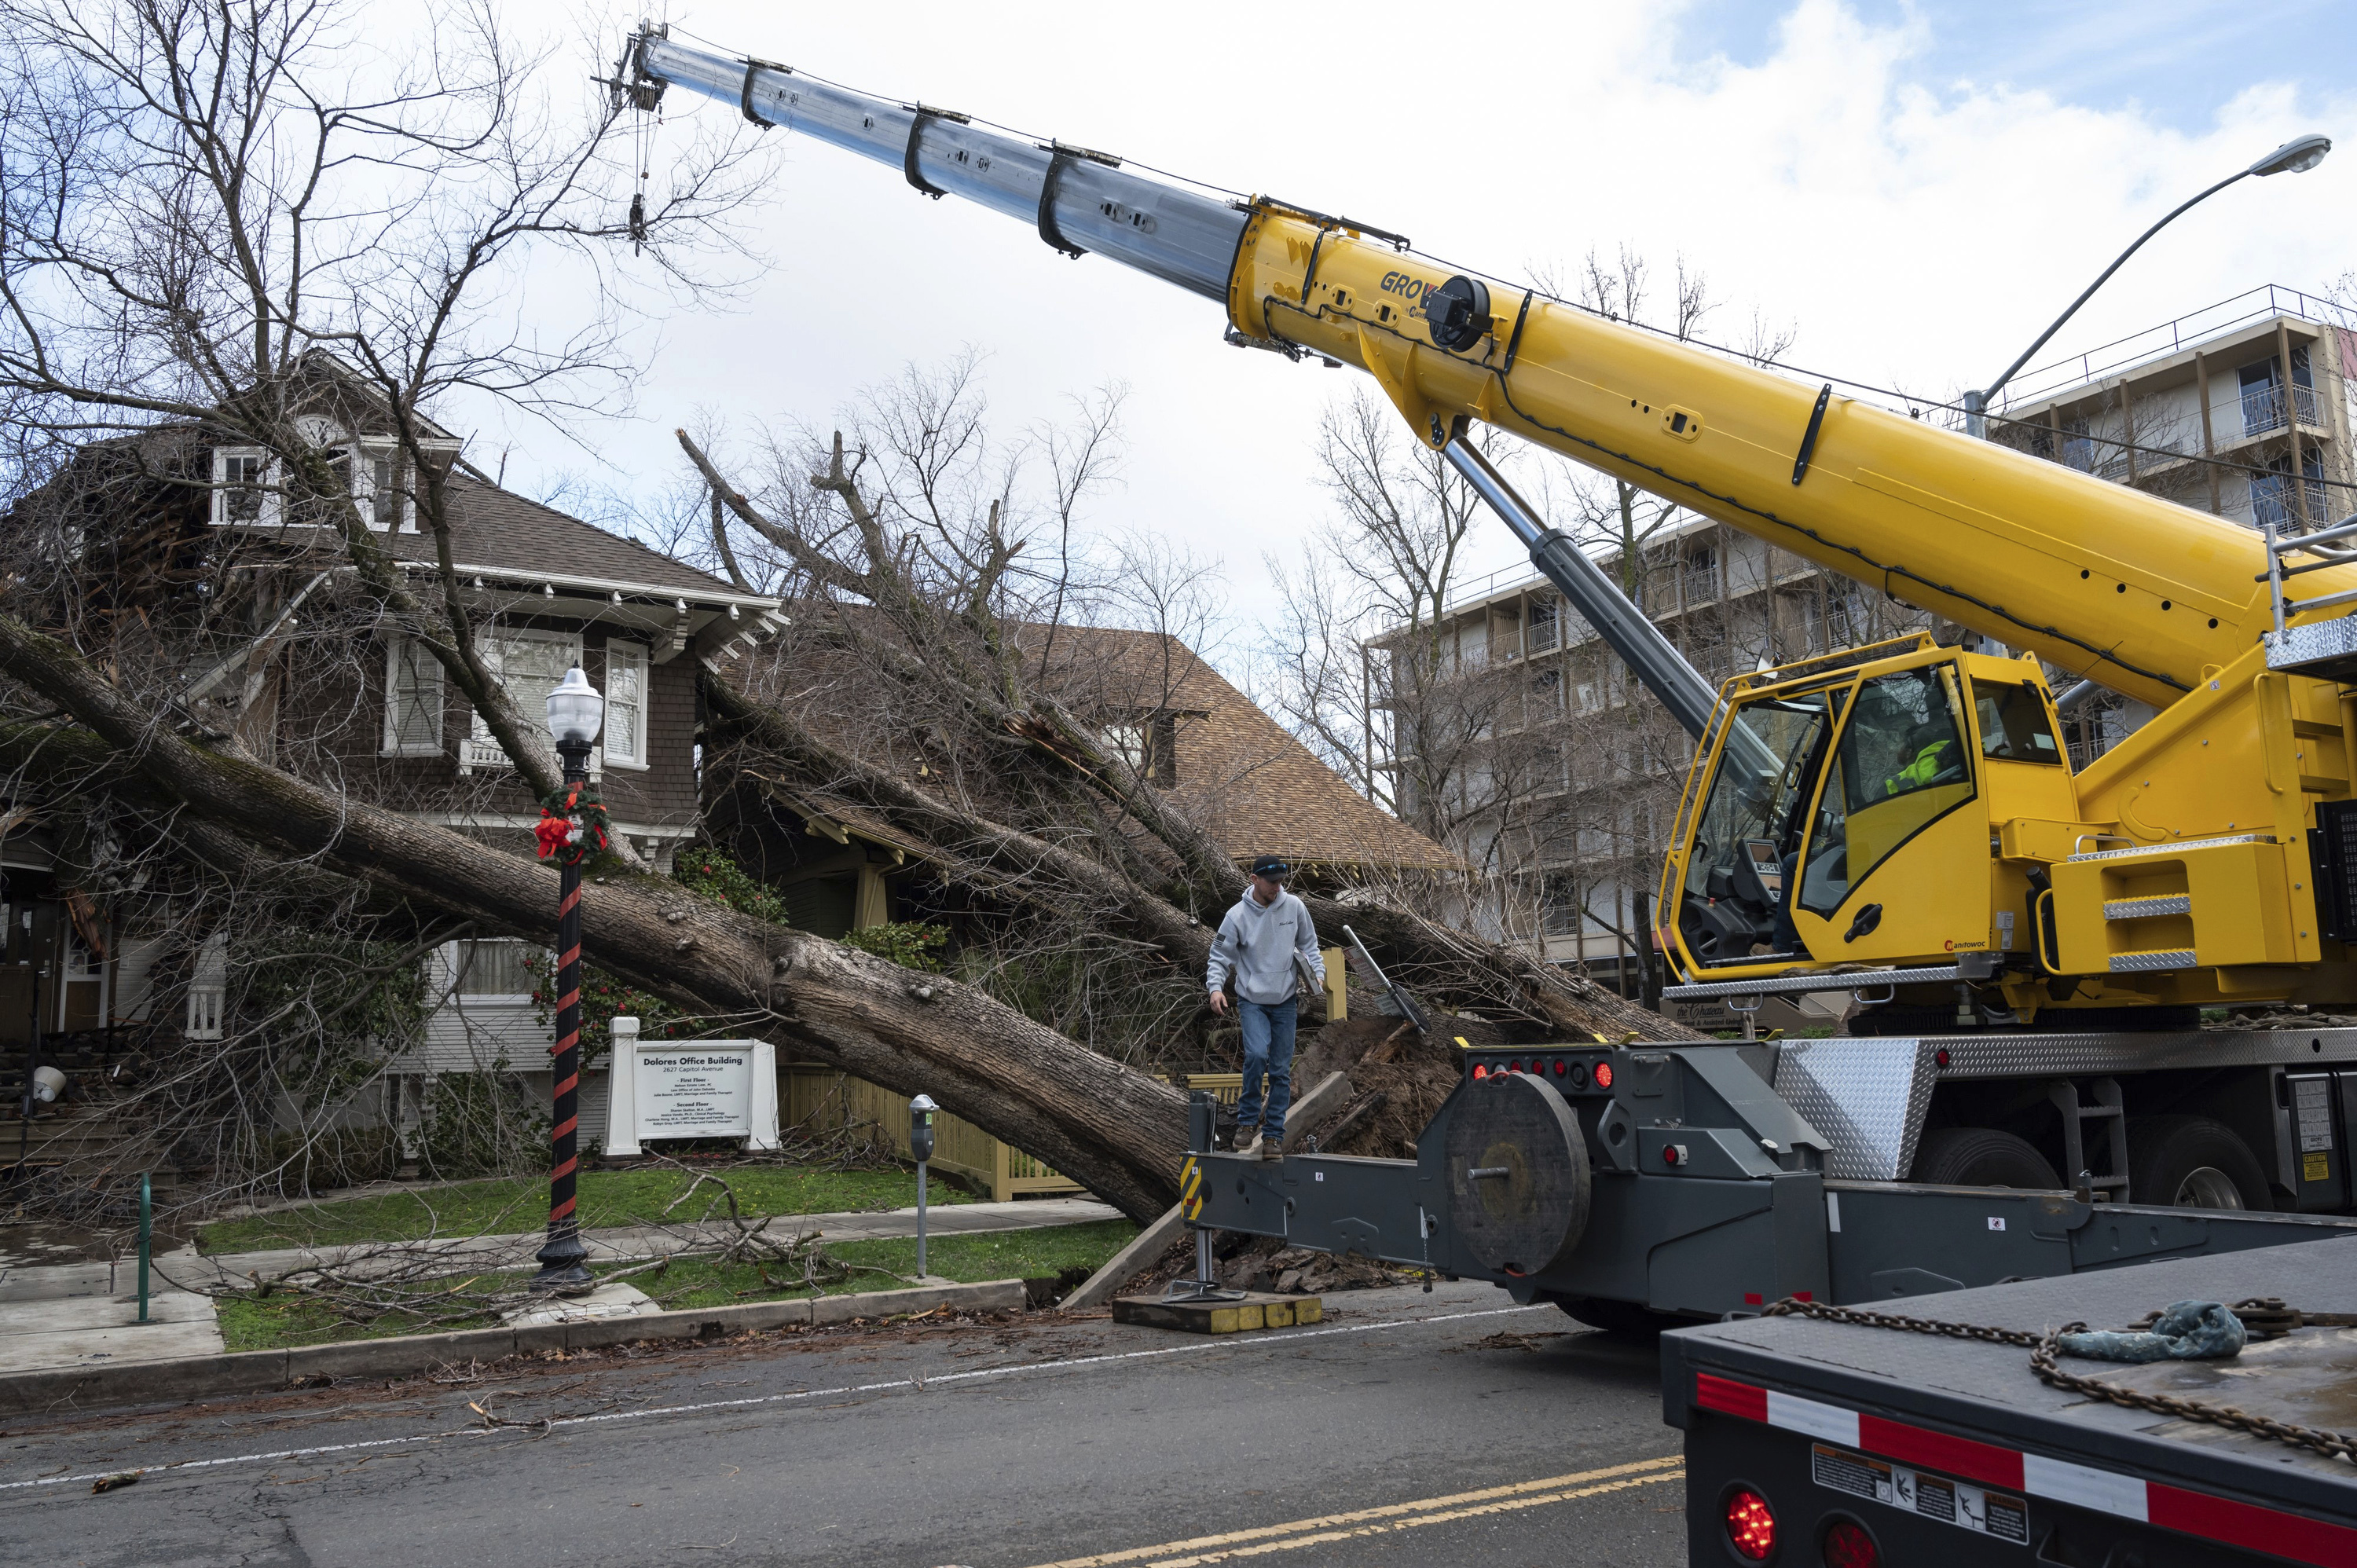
x,y
1480,1071
1849,1546
1559,1068
1603,1075
1750,1525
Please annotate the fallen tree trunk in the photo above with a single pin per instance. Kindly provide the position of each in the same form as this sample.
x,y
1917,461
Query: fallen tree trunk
x,y
1013,861
1119,1133
1189,896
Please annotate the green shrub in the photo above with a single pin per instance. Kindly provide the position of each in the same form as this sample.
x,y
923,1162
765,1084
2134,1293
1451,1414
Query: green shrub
x,y
603,998
911,944
705,869
480,1124
303,1162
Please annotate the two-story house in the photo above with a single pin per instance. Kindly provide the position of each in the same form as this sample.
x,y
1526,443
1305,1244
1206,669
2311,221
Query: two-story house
x,y
241,605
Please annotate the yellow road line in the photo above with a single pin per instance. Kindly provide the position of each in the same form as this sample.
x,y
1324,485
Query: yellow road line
x,y
1388,1517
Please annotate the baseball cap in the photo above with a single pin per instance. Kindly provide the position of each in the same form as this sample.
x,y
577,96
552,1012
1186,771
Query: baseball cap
x,y
1270,865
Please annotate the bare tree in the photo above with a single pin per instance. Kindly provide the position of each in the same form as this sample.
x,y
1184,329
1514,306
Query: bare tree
x,y
246,220
1038,780
1387,562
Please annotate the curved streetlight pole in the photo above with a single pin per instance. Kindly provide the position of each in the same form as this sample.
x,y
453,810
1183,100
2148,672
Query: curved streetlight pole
x,y
2297,156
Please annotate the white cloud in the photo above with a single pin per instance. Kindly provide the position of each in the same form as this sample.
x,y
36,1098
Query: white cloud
x,y
1918,235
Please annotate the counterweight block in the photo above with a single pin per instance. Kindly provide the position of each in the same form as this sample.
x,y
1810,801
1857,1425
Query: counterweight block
x,y
1518,1176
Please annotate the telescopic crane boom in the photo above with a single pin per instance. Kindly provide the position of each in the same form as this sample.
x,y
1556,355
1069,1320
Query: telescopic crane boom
x,y
1907,812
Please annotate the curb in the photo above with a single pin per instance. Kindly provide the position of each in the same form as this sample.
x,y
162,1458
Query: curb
x,y
65,1390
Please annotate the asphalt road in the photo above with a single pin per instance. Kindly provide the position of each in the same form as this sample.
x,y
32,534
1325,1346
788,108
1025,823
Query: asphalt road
x,y
1407,1429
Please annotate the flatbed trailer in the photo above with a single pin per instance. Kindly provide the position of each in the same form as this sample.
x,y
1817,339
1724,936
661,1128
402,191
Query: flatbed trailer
x,y
1637,1187
1814,1442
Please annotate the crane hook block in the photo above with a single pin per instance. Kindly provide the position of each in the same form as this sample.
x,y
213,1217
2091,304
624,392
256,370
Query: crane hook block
x,y
1458,313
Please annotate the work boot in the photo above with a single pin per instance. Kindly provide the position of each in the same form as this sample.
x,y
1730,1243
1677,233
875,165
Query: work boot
x,y
1246,1131
1272,1148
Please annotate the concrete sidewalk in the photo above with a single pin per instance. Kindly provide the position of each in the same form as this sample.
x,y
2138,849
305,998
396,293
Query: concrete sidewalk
x,y
77,1314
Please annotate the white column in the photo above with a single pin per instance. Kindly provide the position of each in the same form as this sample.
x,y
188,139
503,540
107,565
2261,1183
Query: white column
x,y
764,1109
622,1090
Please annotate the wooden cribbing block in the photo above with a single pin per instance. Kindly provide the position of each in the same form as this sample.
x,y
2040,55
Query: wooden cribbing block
x,y
1256,1310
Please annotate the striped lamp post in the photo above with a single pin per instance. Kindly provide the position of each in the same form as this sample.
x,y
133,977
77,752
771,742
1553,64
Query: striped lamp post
x,y
575,713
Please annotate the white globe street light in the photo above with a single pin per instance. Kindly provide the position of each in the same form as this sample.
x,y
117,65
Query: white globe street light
x,y
575,711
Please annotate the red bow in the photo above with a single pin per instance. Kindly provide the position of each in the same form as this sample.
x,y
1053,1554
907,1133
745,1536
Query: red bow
x,y
553,832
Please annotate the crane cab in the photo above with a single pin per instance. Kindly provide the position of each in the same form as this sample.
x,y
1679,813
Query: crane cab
x,y
1841,812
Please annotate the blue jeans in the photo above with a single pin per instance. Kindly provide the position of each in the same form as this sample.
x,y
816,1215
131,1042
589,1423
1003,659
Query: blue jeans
x,y
1268,1051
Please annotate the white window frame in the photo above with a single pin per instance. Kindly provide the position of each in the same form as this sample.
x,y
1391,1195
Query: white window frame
x,y
478,749
363,458
635,653
392,744
268,511
457,964
1132,740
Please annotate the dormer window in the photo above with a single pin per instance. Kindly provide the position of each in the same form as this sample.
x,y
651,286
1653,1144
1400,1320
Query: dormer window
x,y
245,486
1147,744
372,474
386,504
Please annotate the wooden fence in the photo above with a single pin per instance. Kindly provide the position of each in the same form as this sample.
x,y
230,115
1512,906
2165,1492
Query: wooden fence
x,y
818,1098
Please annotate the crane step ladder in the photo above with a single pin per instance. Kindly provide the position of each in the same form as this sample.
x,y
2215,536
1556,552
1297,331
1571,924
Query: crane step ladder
x,y
2108,1113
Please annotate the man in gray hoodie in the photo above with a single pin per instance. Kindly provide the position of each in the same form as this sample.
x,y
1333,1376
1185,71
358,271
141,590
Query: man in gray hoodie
x,y
1265,944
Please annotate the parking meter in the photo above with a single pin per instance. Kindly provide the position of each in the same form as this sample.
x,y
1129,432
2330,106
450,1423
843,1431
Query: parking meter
x,y
920,1145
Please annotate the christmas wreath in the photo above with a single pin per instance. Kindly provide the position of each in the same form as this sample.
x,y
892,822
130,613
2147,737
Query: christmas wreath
x,y
573,824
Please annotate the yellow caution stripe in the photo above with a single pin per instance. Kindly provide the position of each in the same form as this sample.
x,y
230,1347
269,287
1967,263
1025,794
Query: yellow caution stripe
x,y
1190,1189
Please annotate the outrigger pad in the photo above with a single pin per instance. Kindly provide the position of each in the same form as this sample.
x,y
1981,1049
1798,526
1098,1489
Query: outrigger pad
x,y
1518,1176
1246,1313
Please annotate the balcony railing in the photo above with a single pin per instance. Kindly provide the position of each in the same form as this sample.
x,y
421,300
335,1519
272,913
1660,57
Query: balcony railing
x,y
2045,382
490,756
2262,408
2151,456
2273,497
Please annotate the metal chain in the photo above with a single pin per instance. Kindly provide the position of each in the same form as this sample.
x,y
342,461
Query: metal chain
x,y
2270,1317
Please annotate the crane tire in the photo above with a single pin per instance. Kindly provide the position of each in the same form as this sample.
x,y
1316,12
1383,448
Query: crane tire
x,y
2193,1161
1981,1156
1623,1319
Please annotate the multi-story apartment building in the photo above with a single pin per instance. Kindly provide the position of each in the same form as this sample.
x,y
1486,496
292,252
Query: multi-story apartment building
x,y
1556,773
1529,751
2240,410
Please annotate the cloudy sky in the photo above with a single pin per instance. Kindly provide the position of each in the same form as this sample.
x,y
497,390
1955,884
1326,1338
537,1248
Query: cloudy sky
x,y
1915,188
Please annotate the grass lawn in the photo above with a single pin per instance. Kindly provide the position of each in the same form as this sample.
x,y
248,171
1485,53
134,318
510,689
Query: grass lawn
x,y
504,1206
279,1321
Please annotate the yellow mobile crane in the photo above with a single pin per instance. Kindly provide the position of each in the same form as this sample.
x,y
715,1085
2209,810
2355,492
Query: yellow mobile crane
x,y
1904,809
1900,821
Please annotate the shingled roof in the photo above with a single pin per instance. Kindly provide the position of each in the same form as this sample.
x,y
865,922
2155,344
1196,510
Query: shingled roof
x,y
1253,786
495,529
